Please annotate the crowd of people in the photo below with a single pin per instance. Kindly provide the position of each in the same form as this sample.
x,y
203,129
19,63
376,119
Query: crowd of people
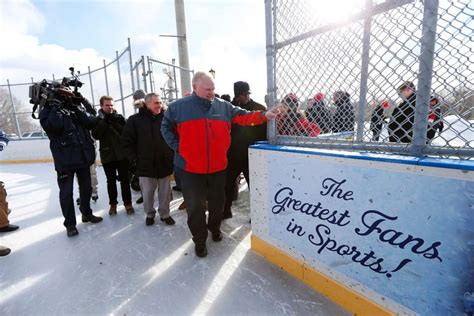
x,y
190,138
318,118
201,139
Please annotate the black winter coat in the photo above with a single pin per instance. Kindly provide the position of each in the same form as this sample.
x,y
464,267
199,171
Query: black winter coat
x,y
344,117
108,132
70,141
144,145
319,114
400,128
377,119
244,136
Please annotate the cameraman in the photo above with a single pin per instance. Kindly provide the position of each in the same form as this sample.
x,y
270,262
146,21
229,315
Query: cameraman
x,y
66,124
108,132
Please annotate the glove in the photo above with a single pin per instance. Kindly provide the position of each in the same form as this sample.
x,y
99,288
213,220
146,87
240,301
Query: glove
x,y
108,117
75,109
78,95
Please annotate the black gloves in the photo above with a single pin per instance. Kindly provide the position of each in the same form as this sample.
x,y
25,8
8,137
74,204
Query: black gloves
x,y
108,117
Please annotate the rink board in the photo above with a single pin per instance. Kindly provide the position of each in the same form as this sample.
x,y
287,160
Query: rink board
x,y
378,234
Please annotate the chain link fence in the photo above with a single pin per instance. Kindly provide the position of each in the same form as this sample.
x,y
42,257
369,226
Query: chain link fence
x,y
388,76
119,78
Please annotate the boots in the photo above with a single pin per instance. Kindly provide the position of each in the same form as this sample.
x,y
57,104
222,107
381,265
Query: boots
x,y
129,209
113,209
168,220
4,251
71,231
201,250
91,218
216,236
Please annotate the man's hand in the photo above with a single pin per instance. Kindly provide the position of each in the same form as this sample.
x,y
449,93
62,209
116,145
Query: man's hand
x,y
108,117
273,112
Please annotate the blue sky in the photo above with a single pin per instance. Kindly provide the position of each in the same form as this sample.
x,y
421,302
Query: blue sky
x,y
45,37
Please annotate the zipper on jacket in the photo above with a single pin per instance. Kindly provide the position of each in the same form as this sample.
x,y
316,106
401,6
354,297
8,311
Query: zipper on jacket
x,y
208,149
212,131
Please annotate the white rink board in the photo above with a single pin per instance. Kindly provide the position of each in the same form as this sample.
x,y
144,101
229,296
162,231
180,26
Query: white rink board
x,y
398,230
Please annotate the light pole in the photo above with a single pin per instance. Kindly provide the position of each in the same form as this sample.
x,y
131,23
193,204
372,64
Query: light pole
x,y
182,45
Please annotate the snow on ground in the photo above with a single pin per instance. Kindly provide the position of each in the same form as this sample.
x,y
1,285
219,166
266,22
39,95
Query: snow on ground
x,y
122,267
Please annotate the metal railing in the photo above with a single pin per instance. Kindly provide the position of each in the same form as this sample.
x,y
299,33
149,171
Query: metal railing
x,y
169,91
391,76
109,79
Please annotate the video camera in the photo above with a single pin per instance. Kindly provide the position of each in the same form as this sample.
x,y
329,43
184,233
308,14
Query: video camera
x,y
53,93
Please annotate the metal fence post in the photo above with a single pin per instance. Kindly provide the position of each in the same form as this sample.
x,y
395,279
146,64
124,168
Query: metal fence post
x,y
90,82
137,73
106,80
364,74
174,78
428,38
14,109
150,73
120,82
131,63
271,97
144,74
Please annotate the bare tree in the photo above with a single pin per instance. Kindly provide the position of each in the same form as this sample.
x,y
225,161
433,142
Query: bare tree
x,y
7,118
459,102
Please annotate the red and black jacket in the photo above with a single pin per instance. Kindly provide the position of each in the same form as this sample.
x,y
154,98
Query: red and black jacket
x,y
198,130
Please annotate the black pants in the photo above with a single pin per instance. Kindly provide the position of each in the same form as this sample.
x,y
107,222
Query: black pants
x,y
234,168
111,169
376,131
197,190
65,183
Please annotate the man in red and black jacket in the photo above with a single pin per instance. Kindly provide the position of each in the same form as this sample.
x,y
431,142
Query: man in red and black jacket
x,y
197,128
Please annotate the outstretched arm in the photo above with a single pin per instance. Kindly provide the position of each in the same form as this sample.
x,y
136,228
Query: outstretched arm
x,y
244,117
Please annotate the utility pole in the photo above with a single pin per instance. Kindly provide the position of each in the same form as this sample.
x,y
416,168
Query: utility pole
x,y
182,46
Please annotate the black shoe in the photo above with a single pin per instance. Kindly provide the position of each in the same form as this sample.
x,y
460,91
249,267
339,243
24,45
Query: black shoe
x,y
4,251
217,236
168,220
140,200
71,231
9,228
78,201
91,218
94,197
176,188
149,221
201,250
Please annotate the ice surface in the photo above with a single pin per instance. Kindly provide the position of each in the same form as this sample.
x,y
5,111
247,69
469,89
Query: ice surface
x,y
122,267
